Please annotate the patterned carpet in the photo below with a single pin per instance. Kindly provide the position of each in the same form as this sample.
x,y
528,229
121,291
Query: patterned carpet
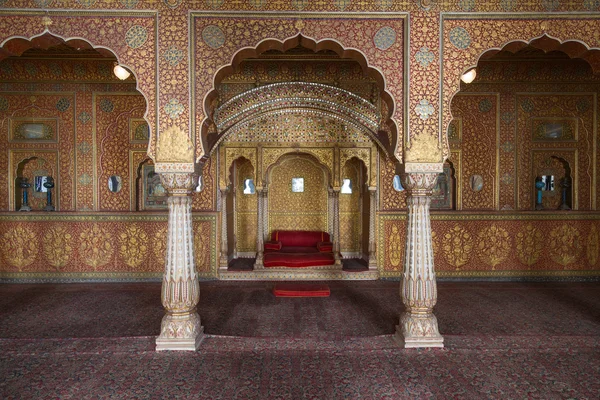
x,y
503,340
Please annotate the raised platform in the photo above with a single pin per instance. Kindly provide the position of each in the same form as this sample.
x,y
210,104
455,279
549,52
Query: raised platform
x,y
301,290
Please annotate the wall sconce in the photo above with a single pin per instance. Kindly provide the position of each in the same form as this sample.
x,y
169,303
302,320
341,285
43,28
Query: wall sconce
x,y
469,76
121,72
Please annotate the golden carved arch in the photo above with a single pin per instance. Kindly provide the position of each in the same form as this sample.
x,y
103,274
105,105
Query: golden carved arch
x,y
273,156
228,157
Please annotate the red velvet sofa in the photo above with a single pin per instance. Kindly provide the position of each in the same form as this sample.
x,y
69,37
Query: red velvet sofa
x,y
297,249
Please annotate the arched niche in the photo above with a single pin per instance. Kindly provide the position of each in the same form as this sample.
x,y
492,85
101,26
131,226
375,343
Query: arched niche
x,y
354,213
35,168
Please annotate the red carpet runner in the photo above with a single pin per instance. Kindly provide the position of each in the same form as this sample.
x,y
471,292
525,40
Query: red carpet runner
x,y
300,290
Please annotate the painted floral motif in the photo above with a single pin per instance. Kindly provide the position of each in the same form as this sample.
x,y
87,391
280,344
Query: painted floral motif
x,y
257,4
174,108
342,4
107,105
550,5
466,5
136,36
299,4
564,244
507,117
460,38
485,105
214,3
213,36
529,243
494,245
591,5
385,38
84,117
3,104
142,132
453,133
129,3
84,179
20,247
173,56
159,245
583,105
457,245
592,246
84,147
63,104
507,147
87,3
508,5
507,178
424,57
57,246
384,5
395,247
95,246
31,69
424,109
527,105
133,245
172,3
43,3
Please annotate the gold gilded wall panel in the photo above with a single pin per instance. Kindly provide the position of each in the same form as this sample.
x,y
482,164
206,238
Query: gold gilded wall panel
x,y
297,211
493,245
96,245
246,217
350,216
232,154
389,198
205,200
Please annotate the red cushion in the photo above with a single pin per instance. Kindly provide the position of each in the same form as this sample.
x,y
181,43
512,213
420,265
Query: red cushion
x,y
272,245
325,247
300,238
278,259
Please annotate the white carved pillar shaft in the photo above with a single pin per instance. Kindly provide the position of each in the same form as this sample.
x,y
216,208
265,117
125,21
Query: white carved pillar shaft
x,y
330,213
372,218
224,258
418,326
180,327
259,230
265,226
336,226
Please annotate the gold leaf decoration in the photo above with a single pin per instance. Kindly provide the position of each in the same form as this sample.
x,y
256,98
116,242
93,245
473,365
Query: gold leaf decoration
x,y
159,245
494,245
95,248
57,246
457,245
565,244
202,246
20,247
424,148
529,245
174,145
395,247
592,246
133,245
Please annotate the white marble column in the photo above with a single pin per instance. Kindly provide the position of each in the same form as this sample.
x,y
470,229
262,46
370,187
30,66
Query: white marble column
x,y
224,258
258,264
180,327
336,226
418,326
372,219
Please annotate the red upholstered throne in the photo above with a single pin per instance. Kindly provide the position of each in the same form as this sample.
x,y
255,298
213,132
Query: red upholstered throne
x,y
297,249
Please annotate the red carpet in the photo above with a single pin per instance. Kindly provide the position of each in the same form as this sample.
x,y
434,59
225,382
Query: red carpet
x,y
300,290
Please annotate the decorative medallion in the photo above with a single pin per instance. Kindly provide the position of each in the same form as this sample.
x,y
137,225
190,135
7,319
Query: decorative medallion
x,y
84,179
507,178
107,105
564,244
57,87
31,69
529,244
57,246
527,105
43,3
466,5
142,132
385,38
63,104
494,245
508,5
342,4
424,57
103,70
213,36
507,117
55,69
79,69
457,245
299,4
87,3
3,104
460,38
84,117
591,5
129,3
20,247
507,147
84,147
453,134
583,105
550,5
174,108
172,3
214,3
133,245
485,105
592,246
173,56
384,5
257,4
136,36
95,246
424,109
426,5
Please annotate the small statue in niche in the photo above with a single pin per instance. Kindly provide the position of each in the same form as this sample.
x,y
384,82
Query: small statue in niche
x,y
24,184
49,184
564,185
539,185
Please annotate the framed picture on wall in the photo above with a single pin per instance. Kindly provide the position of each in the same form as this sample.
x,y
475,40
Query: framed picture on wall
x,y
154,194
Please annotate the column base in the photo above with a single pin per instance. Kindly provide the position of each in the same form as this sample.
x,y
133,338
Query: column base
x,y
416,331
180,332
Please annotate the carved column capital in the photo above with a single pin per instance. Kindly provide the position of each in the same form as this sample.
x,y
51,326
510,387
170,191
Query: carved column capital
x,y
419,183
179,183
